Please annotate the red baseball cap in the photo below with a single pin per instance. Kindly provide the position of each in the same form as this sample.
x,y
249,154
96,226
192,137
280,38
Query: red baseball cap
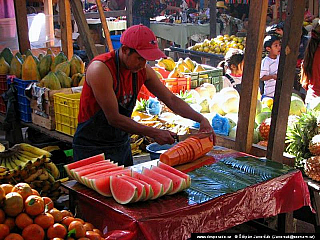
x,y
143,40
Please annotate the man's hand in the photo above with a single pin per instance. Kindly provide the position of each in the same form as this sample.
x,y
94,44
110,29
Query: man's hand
x,y
206,127
164,137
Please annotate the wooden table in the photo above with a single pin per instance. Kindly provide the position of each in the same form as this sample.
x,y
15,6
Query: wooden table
x,y
176,216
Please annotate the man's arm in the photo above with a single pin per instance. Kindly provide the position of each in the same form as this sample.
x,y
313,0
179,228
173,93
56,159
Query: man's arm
x,y
99,78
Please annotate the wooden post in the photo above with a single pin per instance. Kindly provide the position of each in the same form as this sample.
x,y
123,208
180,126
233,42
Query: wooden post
x,y
104,25
66,28
129,13
213,19
22,25
251,75
284,85
83,28
48,11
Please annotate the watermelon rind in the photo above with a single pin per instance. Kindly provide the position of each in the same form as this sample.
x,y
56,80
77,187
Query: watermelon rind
x,y
178,183
176,171
165,181
78,175
157,187
123,191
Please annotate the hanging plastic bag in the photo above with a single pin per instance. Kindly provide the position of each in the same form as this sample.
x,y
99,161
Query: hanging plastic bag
x,y
220,125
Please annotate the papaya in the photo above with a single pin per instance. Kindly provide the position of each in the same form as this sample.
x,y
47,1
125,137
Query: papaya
x,y
24,57
4,66
76,78
28,53
16,67
40,56
83,79
6,53
36,60
50,81
58,59
18,55
30,69
49,51
45,65
64,80
63,67
76,65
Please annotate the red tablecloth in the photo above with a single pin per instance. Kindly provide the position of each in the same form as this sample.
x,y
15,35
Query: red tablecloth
x,y
176,217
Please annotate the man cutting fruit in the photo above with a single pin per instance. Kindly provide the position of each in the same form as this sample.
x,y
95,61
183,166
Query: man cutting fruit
x,y
113,81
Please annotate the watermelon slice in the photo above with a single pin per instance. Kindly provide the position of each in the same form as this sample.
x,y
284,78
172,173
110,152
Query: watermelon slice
x,y
157,187
94,164
102,172
176,172
148,189
101,184
123,191
166,182
84,162
75,172
84,172
140,187
179,183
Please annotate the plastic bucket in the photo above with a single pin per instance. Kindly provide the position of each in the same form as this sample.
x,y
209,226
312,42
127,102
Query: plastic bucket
x,y
156,149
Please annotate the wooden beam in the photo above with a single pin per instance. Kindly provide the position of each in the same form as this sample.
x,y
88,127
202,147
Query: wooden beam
x,y
20,7
251,75
66,28
104,26
213,18
129,12
285,78
48,11
83,28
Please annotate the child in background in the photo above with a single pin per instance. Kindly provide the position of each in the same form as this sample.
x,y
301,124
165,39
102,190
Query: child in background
x,y
269,65
232,68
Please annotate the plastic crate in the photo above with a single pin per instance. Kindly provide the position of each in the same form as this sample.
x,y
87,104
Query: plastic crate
x,y
162,71
210,75
3,89
176,85
23,102
66,108
115,39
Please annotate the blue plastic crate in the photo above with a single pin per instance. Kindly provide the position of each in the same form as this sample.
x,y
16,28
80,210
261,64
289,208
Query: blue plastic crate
x,y
115,41
23,102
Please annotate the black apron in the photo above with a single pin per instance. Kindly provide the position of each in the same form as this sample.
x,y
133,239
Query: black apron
x,y
96,135
235,86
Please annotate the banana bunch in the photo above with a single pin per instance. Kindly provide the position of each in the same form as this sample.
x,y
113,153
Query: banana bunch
x,y
135,146
167,63
21,161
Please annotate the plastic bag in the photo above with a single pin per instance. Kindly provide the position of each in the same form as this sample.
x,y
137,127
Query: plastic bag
x,y
220,125
153,106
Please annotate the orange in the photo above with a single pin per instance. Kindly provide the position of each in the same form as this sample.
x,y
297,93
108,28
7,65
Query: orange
x,y
57,230
84,238
10,223
48,203
67,220
79,219
4,231
33,232
2,216
23,189
66,213
2,194
79,229
93,235
34,205
57,239
44,220
23,220
97,231
14,236
13,204
88,226
35,192
56,215
7,187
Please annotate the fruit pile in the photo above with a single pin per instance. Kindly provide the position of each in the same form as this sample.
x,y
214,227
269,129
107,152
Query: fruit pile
x,y
220,44
125,185
53,72
26,163
25,215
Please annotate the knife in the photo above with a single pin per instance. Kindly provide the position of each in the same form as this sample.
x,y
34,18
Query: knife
x,y
183,137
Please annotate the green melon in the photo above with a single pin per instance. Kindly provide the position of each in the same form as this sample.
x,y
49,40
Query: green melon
x,y
156,186
123,191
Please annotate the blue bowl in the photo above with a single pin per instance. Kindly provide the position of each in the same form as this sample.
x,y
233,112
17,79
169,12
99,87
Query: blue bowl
x,y
156,149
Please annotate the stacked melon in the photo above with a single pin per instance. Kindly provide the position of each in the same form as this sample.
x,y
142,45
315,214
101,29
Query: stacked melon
x,y
125,185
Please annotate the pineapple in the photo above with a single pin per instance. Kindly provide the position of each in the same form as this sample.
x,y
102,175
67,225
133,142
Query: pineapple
x,y
264,129
312,168
314,145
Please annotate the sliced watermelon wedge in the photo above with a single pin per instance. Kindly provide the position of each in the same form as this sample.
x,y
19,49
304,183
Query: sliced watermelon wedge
x,y
103,172
87,171
123,191
179,183
84,162
140,187
101,184
165,181
93,164
148,188
156,186
176,172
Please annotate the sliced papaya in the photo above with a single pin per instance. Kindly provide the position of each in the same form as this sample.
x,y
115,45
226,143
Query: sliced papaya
x,y
206,144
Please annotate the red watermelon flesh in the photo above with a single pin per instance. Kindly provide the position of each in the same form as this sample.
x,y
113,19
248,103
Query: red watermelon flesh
x,y
166,182
156,186
147,187
140,187
176,172
179,183
117,186
101,184
75,172
84,162
84,172
94,164
103,171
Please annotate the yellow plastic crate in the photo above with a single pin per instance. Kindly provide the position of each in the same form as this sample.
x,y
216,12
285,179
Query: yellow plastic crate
x,y
66,108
